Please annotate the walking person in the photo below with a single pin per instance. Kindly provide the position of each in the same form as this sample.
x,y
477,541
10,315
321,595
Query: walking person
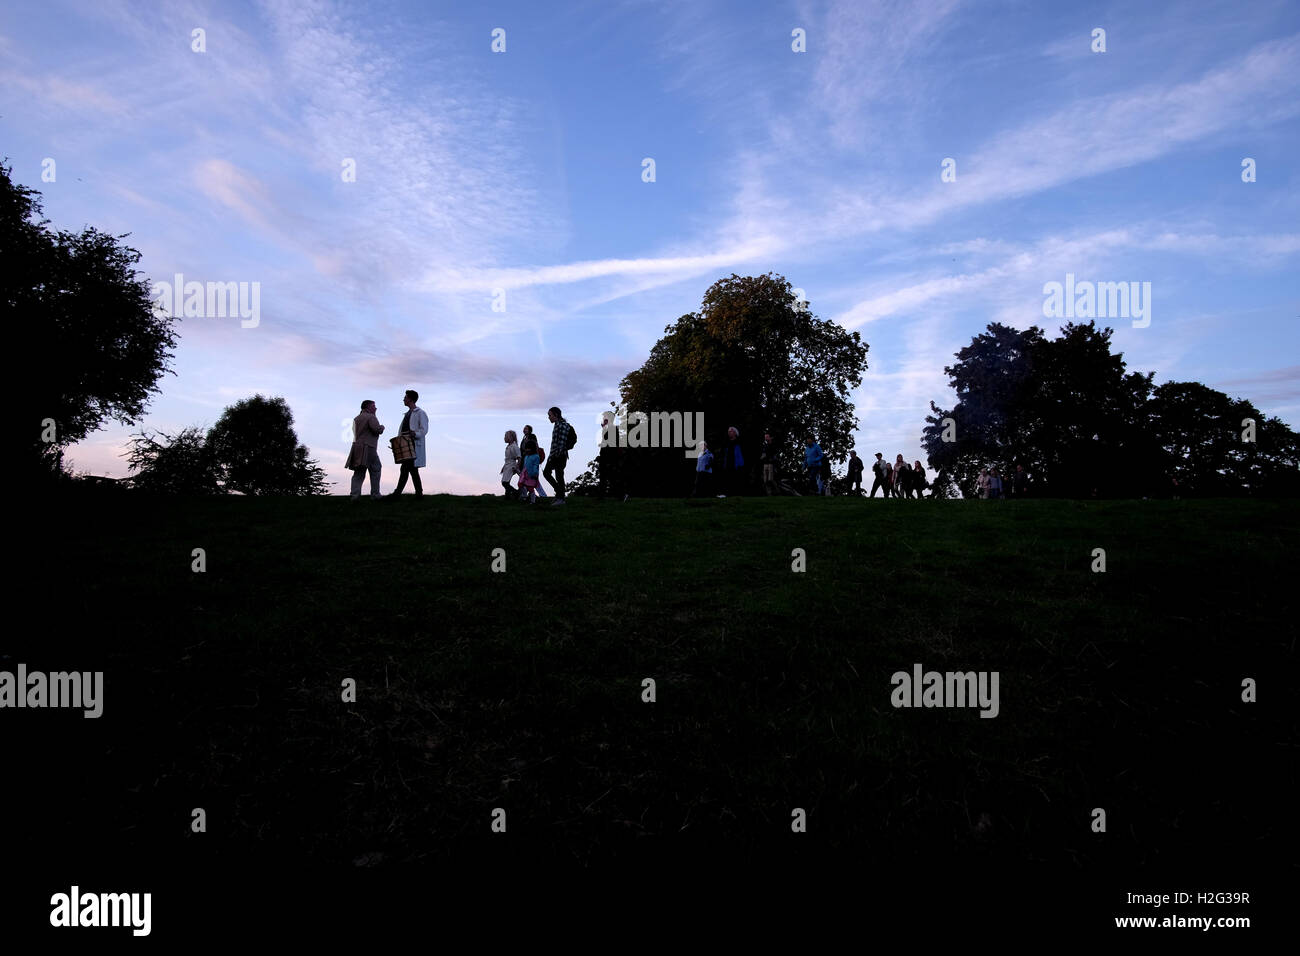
x,y
995,484
897,475
563,438
528,445
813,460
364,454
985,483
703,472
529,483
513,464
855,474
733,464
415,423
767,458
881,470
1020,482
918,479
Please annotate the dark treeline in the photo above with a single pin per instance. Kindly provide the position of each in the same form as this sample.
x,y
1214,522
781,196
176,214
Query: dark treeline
x,y
1064,409
1067,410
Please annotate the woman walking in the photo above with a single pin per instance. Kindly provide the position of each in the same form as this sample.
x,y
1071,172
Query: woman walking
x,y
512,464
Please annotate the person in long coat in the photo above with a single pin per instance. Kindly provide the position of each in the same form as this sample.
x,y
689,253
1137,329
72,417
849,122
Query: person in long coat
x,y
416,424
364,454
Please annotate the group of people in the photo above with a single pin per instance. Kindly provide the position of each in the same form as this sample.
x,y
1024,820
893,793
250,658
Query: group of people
x,y
992,485
730,465
524,458
363,457
895,480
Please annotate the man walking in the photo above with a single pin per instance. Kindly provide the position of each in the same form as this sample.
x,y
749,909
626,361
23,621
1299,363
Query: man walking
x,y
733,463
563,438
364,455
855,474
881,470
813,459
416,424
767,458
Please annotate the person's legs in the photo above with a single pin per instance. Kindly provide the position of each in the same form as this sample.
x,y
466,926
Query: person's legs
x,y
401,477
555,468
376,466
415,480
358,476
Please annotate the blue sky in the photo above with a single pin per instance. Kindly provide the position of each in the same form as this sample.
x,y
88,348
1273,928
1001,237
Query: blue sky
x,y
522,171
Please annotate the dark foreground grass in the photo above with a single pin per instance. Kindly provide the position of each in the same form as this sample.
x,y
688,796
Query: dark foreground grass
x,y
522,690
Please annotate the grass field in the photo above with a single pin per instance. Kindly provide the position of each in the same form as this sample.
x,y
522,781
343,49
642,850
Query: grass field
x,y
523,690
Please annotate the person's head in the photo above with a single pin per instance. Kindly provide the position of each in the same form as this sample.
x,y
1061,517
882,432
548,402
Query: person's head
x,y
704,446
1020,467
900,457
767,436
984,471
808,441
412,396
511,438
733,433
995,469
853,453
528,429
553,413
879,456
917,466
368,406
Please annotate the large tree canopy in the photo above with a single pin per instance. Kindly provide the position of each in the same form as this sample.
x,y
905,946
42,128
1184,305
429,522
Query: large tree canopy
x,y
256,451
1068,412
75,298
752,358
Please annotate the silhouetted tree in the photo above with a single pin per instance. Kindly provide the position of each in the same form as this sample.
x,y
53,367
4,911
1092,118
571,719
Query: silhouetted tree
x,y
1067,410
256,451
180,464
75,300
752,359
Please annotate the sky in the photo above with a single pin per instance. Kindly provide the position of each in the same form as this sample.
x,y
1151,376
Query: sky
x,y
500,249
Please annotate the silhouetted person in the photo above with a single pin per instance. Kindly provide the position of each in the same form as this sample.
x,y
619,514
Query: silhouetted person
x,y
415,423
881,470
733,464
562,439
855,474
512,466
767,458
813,460
703,472
1020,482
364,454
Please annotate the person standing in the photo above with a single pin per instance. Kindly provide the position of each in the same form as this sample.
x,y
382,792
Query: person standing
x,y
1020,482
855,474
984,483
416,424
995,484
703,472
610,461
563,438
512,466
767,458
881,471
733,464
897,474
813,460
364,455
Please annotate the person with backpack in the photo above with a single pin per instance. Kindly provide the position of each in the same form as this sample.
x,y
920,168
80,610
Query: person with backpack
x,y
855,474
563,438
814,460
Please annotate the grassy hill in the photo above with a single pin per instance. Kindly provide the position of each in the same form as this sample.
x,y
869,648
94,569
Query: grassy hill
x,y
523,689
